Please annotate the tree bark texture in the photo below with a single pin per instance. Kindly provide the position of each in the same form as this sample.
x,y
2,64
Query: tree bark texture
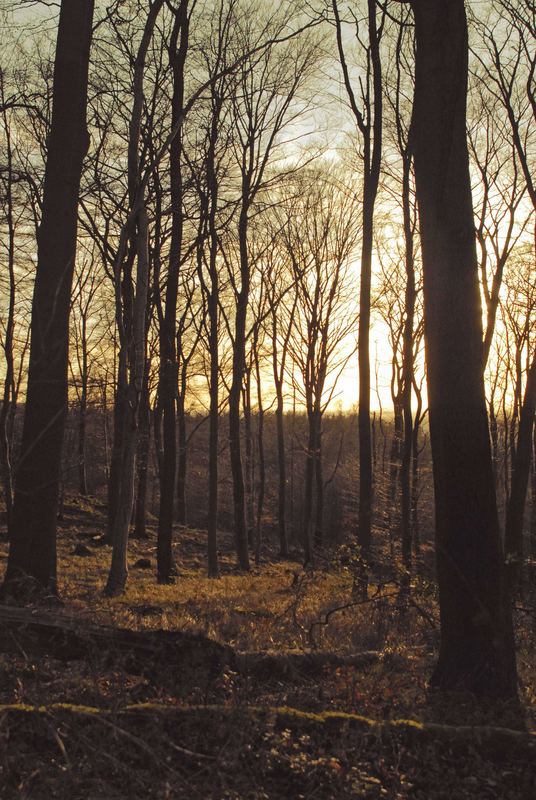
x,y
33,531
477,648
168,384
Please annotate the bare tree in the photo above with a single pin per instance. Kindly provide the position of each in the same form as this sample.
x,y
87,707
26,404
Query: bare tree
x,y
131,321
266,85
320,236
368,114
32,551
178,49
477,645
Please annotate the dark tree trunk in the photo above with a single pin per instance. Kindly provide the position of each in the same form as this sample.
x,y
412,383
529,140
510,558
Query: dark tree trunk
x,y
248,455
282,476
115,463
182,448
8,405
395,458
157,438
131,316
33,531
262,462
371,132
212,521
142,460
210,210
515,510
117,576
415,528
407,365
123,311
239,359
364,530
168,349
308,493
532,545
82,418
319,477
477,645
280,429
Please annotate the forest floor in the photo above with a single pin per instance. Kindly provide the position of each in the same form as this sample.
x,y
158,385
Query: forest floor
x,y
323,728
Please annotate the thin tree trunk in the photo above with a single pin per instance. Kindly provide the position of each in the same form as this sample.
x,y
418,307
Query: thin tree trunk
x,y
123,314
371,133
515,510
262,462
131,320
532,547
417,419
7,397
407,366
182,450
213,292
395,458
309,472
118,574
212,521
168,350
248,456
142,460
319,475
280,429
239,358
82,418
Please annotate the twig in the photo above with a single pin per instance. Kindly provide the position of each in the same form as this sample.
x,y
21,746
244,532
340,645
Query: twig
x,y
332,611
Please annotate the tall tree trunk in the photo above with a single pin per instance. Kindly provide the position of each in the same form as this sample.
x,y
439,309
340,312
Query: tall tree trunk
x,y
9,378
532,546
280,429
142,460
105,434
131,318
33,531
308,494
123,313
408,368
395,458
213,291
515,510
417,419
319,477
82,417
370,189
477,646
239,359
248,456
371,129
118,574
168,348
182,449
214,412
282,476
262,461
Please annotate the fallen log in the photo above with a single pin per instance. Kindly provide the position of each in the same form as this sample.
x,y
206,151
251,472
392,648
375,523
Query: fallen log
x,y
295,664
156,654
494,741
156,751
160,655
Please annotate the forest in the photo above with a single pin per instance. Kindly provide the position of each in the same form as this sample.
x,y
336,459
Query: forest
x,y
267,399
